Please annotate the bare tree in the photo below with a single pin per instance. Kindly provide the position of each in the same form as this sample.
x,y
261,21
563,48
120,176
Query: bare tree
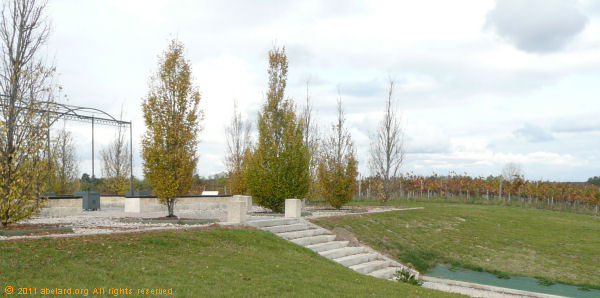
x,y
511,171
238,144
26,88
311,141
116,167
64,163
387,146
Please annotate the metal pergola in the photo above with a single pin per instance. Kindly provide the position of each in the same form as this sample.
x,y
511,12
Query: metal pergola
x,y
87,115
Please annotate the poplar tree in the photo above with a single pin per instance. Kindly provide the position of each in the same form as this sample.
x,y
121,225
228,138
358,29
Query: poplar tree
x,y
337,170
278,167
172,117
26,90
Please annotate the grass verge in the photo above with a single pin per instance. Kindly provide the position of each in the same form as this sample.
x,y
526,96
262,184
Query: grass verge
x,y
196,262
554,246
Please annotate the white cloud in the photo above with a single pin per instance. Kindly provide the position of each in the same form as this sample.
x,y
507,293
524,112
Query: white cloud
x,y
537,26
469,101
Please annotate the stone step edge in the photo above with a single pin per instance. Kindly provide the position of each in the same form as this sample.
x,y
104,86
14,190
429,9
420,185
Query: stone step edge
x,y
499,290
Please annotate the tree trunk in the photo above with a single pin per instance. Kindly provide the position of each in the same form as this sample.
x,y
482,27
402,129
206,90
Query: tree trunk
x,y
170,207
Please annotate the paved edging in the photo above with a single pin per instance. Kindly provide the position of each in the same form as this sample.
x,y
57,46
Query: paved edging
x,y
462,287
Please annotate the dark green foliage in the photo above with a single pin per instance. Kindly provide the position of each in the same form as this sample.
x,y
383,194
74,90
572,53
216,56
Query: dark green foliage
x,y
278,166
594,180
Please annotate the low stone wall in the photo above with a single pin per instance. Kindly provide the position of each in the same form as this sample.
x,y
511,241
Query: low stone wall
x,y
62,207
112,202
142,205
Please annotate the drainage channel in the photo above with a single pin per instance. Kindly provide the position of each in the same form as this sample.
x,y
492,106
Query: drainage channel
x,y
514,282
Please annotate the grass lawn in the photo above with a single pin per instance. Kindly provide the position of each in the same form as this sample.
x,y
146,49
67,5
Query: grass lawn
x,y
558,246
201,262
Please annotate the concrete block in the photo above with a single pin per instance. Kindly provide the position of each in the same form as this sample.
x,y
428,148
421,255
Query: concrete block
x,y
236,211
293,208
247,199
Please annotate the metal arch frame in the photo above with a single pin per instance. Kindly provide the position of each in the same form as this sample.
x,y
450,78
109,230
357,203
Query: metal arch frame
x,y
70,112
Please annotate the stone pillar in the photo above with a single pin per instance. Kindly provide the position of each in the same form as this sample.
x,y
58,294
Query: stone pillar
x,y
293,208
236,211
247,199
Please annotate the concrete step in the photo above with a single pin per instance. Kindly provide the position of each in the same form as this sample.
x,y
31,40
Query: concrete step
x,y
368,267
342,252
304,241
356,259
262,223
286,228
302,233
327,246
385,273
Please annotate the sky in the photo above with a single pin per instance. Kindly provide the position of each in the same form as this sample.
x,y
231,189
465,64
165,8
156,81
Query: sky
x,y
479,83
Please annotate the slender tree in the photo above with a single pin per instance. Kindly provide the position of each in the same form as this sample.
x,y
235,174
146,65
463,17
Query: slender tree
x,y
116,166
311,141
238,143
65,168
26,87
337,170
172,117
278,166
387,146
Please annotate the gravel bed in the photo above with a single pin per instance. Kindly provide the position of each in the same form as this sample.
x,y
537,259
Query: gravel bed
x,y
109,221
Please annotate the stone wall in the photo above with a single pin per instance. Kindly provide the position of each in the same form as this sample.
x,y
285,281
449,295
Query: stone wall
x,y
62,207
143,205
112,202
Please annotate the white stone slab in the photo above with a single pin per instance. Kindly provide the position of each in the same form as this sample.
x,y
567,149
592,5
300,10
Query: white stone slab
x,y
293,208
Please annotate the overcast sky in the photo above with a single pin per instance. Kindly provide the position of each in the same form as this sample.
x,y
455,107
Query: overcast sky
x,y
480,83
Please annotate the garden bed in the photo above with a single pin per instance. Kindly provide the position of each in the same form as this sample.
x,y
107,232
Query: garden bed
x,y
34,230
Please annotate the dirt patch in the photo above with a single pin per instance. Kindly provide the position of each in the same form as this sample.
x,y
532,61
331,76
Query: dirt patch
x,y
344,235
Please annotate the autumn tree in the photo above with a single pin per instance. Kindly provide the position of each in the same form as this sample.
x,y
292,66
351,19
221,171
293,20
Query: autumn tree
x,y
387,146
172,117
238,144
337,169
26,88
278,166
116,163
65,168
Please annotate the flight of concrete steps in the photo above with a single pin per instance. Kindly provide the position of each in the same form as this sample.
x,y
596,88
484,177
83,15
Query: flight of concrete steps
x,y
361,259
365,260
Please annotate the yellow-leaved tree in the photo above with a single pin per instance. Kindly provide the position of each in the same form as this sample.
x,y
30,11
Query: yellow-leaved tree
x,y
337,168
172,117
26,90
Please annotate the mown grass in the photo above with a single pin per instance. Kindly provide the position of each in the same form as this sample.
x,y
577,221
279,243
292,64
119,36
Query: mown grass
x,y
195,263
556,246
